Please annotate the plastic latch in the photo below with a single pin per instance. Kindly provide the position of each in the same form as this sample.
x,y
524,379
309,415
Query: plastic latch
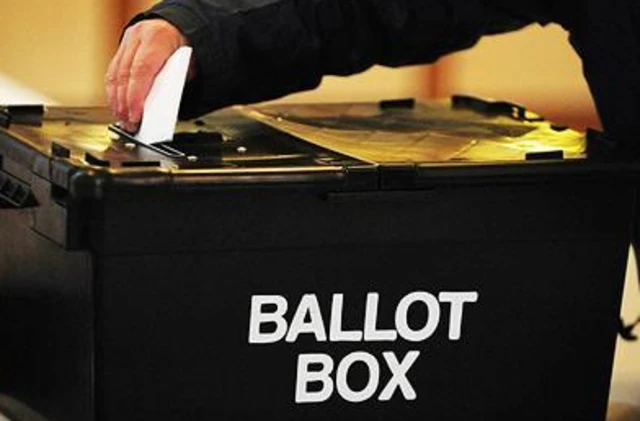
x,y
392,104
27,115
545,155
15,192
140,164
5,118
503,108
59,151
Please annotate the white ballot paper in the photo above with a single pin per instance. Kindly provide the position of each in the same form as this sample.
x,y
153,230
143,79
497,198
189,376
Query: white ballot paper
x,y
161,107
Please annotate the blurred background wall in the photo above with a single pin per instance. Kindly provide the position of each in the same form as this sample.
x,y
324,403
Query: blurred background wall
x,y
58,48
61,49
58,51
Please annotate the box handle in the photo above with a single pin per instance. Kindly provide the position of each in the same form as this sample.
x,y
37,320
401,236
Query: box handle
x,y
15,193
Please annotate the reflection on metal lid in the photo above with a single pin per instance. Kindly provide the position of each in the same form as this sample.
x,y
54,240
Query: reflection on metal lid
x,y
428,132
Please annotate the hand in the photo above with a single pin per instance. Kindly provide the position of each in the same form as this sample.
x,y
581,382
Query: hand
x,y
144,49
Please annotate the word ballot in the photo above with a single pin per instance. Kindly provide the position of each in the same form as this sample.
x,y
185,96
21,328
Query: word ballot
x,y
269,324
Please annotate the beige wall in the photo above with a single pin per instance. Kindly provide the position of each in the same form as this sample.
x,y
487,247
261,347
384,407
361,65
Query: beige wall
x,y
62,48
59,48
536,67
375,84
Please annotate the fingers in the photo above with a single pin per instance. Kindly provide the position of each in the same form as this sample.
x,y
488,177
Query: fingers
x,y
117,75
144,69
145,48
124,76
111,81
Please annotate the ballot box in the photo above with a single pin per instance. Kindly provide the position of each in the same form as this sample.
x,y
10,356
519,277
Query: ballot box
x,y
446,260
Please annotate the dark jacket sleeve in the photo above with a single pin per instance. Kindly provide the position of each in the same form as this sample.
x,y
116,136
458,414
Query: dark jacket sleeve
x,y
606,36
254,50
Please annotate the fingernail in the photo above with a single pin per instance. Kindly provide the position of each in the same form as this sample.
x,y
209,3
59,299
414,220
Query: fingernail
x,y
132,128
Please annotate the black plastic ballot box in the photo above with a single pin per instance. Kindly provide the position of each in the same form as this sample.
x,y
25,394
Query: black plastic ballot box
x,y
446,260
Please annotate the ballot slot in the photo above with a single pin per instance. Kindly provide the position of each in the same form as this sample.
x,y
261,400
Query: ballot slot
x,y
200,144
156,147
255,148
